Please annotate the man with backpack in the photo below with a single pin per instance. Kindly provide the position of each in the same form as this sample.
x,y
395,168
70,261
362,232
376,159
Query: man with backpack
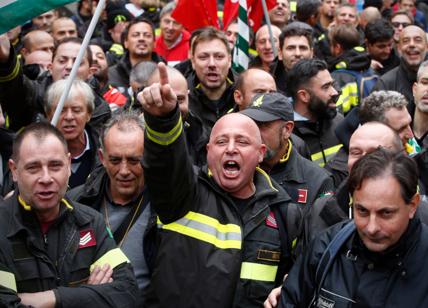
x,y
376,260
351,68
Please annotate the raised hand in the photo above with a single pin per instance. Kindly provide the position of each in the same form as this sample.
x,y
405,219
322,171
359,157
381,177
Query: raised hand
x,y
158,99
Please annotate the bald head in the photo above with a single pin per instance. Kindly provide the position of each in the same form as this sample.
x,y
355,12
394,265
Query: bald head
x,y
369,137
40,57
234,151
369,14
37,40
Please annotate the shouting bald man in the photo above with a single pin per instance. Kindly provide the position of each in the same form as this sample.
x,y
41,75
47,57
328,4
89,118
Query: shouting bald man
x,y
223,240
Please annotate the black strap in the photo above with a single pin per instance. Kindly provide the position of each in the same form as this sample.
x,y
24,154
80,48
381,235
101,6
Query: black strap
x,y
127,222
329,255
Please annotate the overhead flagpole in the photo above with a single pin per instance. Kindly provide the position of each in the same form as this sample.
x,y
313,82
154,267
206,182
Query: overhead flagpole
x,y
272,42
78,60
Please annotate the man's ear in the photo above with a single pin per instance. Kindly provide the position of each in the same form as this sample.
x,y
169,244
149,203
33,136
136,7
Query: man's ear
x,y
101,156
262,152
288,129
13,168
303,96
414,203
238,97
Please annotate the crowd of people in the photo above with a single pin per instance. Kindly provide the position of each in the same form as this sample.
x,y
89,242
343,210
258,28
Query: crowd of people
x,y
172,180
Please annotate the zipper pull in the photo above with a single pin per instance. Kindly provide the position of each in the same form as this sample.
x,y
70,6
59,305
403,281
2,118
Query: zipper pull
x,y
45,239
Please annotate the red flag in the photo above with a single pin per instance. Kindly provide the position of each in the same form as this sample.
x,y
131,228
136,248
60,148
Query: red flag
x,y
255,12
194,14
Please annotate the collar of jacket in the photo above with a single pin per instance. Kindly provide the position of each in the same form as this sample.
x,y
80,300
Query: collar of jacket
x,y
22,219
289,166
410,75
355,59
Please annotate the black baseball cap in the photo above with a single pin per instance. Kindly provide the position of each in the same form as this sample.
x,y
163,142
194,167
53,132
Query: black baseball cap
x,y
269,107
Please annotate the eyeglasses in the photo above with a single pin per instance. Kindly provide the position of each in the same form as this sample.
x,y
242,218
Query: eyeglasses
x,y
397,24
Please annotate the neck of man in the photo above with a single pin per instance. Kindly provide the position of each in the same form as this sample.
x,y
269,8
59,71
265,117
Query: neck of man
x,y
121,199
48,216
214,94
302,109
267,165
170,43
136,59
325,21
77,146
420,123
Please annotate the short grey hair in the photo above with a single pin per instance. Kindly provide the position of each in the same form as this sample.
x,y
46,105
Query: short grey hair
x,y
168,8
374,106
78,88
142,71
421,69
125,121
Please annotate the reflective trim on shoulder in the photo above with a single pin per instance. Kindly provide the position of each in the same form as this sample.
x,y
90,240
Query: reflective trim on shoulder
x,y
257,271
7,279
168,137
328,153
293,6
341,65
117,49
253,52
206,229
112,257
13,74
349,97
267,177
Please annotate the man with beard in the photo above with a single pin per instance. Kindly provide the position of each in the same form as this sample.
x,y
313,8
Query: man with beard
x,y
413,48
315,115
327,12
99,68
302,179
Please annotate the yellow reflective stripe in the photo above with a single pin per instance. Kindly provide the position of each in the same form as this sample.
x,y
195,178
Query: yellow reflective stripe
x,y
293,6
117,49
13,74
328,153
253,52
157,32
340,65
207,229
113,258
7,280
220,14
359,48
266,176
287,155
257,271
349,97
165,138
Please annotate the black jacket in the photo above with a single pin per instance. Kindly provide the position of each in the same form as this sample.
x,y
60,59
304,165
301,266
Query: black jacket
x,y
320,138
59,260
207,110
399,79
360,278
206,248
302,179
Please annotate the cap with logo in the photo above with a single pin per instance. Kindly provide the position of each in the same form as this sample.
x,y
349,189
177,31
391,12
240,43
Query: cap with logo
x,y
117,15
269,107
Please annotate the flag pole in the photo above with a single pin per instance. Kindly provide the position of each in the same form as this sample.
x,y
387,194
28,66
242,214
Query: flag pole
x,y
272,42
78,60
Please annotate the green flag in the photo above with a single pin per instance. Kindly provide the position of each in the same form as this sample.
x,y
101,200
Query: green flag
x,y
16,12
240,52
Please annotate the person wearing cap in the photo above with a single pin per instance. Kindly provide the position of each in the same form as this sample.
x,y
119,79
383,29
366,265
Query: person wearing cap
x,y
303,180
173,43
225,231
117,21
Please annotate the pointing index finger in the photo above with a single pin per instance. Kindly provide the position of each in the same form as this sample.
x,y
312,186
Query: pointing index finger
x,y
163,74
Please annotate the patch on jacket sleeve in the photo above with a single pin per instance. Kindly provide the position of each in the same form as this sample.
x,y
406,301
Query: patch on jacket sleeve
x,y
303,195
268,255
325,302
87,239
271,220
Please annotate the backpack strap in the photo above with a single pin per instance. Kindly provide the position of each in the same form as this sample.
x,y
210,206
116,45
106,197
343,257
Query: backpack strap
x,y
329,255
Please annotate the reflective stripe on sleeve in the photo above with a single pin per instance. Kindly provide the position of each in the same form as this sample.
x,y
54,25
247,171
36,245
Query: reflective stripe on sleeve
x,y
257,271
328,153
113,258
7,279
165,138
207,229
13,74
